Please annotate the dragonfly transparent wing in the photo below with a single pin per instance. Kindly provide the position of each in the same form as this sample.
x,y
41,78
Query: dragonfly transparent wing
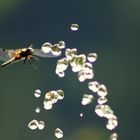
x,y
6,54
39,52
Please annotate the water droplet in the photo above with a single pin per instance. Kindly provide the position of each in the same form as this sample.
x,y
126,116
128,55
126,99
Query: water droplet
x,y
46,47
110,126
87,66
41,125
102,100
108,112
81,114
61,74
114,136
37,110
102,91
81,76
56,50
61,44
92,57
58,133
78,60
94,86
62,65
33,124
112,123
51,96
70,53
89,74
47,105
99,110
104,111
37,93
60,94
74,27
87,99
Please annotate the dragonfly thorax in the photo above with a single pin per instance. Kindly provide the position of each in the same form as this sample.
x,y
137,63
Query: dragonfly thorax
x,y
23,53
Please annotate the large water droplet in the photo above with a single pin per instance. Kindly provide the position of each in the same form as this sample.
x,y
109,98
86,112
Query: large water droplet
x,y
46,47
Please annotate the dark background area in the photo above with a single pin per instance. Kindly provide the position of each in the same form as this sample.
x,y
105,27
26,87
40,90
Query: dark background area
x,y
109,28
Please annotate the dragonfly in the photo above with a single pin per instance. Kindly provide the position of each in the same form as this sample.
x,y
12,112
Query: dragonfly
x,y
10,56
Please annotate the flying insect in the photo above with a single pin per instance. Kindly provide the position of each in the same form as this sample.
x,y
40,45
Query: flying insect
x,y
10,56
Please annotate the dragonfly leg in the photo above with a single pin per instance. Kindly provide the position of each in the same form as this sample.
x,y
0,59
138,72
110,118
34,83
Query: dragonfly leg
x,y
25,60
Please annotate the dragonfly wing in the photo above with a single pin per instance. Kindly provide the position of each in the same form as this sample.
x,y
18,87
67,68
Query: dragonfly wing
x,y
6,54
39,52
12,60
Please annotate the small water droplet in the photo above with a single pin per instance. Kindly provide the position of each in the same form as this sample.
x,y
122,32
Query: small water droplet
x,y
87,99
81,114
112,123
41,125
37,93
51,96
92,57
62,65
61,44
37,110
102,100
99,110
114,136
33,124
74,27
94,86
81,76
61,74
58,133
102,91
47,105
60,94
70,53
56,50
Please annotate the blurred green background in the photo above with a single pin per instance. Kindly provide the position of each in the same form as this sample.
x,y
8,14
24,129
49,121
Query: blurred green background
x,y
109,28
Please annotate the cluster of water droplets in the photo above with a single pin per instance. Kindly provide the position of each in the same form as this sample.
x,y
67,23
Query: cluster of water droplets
x,y
54,49
83,66
102,109
51,97
34,124
80,64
